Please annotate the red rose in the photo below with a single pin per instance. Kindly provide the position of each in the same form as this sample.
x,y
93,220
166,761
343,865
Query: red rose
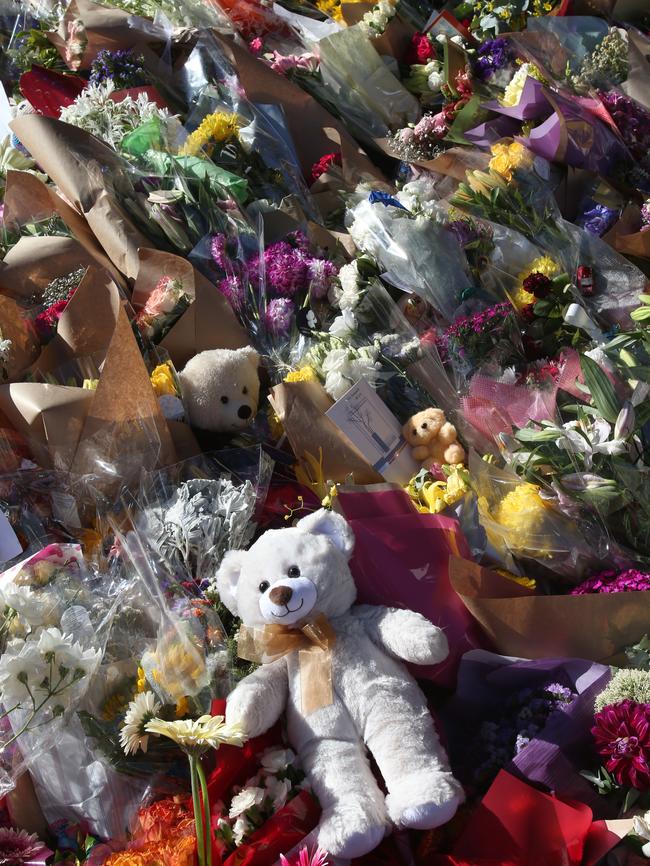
x,y
323,165
421,50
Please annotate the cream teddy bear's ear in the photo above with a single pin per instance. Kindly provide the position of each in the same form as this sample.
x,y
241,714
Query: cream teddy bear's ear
x,y
332,526
228,577
250,353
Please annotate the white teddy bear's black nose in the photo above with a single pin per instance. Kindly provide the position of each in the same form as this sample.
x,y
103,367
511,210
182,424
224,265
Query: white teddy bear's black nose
x,y
244,412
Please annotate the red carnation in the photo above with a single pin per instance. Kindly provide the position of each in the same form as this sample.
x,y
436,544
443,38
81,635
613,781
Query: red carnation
x,y
538,284
622,736
421,50
319,168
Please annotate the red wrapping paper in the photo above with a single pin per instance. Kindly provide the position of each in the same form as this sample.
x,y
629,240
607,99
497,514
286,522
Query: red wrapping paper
x,y
232,764
517,825
49,91
279,834
401,559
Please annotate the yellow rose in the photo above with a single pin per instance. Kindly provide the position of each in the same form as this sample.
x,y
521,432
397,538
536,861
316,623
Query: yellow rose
x,y
503,165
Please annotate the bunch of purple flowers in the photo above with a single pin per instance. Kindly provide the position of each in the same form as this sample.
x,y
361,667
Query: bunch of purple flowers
x,y
471,337
526,713
122,67
633,122
491,56
287,272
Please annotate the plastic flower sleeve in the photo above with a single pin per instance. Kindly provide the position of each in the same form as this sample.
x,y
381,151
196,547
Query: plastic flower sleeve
x,y
195,511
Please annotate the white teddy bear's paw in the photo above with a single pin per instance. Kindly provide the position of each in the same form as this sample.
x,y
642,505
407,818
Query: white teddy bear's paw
x,y
245,707
349,832
424,803
420,641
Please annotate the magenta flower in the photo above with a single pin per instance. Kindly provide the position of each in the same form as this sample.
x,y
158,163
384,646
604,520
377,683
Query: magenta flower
x,y
630,580
233,290
622,736
19,848
278,316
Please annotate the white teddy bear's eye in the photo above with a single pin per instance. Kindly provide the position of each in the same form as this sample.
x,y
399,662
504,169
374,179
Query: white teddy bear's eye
x,y
264,585
224,399
293,571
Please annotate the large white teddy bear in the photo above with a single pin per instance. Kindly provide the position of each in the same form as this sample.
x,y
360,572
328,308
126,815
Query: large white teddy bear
x,y
296,576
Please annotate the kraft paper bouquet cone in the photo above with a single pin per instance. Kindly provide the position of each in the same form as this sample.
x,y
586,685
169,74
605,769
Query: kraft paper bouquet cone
x,y
519,622
81,166
625,236
314,438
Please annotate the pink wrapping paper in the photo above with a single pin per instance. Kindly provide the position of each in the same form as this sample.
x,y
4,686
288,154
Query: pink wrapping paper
x,y
401,559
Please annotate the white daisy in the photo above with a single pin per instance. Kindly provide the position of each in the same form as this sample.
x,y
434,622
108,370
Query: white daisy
x,y
133,735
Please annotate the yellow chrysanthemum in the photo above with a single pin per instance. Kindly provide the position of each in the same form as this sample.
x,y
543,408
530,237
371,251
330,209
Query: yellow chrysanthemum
x,y
521,511
302,374
507,157
216,128
526,582
162,380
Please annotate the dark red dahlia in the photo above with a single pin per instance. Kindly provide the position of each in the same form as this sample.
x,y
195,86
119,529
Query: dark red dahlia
x,y
538,284
622,736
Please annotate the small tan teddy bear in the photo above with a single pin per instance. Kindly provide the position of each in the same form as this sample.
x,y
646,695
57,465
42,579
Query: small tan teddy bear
x,y
432,438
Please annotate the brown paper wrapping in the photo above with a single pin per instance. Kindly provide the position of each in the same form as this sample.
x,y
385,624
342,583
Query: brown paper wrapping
x,y
35,261
396,38
86,325
102,27
519,623
67,428
307,121
155,264
208,323
80,165
27,198
301,408
124,404
625,237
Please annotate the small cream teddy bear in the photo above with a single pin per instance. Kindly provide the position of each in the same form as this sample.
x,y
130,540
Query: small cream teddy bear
x,y
433,439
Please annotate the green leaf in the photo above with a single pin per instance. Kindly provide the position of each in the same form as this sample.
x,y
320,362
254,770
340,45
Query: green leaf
x,y
601,389
531,434
640,314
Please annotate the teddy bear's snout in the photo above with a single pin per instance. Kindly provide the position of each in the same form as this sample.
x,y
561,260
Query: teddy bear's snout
x,y
281,595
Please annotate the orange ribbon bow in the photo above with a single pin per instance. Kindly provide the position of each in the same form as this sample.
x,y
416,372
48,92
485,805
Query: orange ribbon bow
x,y
313,640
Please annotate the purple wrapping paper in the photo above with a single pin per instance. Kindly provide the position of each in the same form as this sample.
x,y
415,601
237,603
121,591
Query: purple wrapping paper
x,y
563,747
571,130
492,131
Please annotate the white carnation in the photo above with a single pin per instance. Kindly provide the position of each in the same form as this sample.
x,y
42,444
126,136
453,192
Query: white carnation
x,y
246,799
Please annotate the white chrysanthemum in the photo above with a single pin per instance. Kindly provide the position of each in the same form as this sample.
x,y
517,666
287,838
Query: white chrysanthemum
x,y
435,80
133,735
346,294
200,734
245,800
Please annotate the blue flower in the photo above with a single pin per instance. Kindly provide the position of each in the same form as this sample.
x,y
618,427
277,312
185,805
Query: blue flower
x,y
379,197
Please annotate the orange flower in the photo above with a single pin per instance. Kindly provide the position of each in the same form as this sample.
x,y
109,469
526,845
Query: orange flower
x,y
178,852
161,820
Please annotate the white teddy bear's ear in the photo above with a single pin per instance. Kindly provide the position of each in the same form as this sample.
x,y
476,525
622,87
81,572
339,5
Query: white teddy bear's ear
x,y
228,577
331,525
250,353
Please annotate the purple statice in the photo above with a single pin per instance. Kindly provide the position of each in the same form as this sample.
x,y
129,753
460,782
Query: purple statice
x,y
633,122
279,316
598,219
121,67
232,289
492,55
525,714
629,580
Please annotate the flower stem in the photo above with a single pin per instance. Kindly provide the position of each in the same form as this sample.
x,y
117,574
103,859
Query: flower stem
x,y
206,810
198,811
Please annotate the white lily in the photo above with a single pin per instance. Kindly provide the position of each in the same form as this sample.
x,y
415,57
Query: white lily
x,y
590,437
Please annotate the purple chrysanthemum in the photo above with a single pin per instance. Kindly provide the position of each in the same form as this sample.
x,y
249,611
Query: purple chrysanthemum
x,y
278,316
233,290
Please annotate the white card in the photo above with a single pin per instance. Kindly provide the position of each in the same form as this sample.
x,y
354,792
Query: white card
x,y
9,544
371,427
